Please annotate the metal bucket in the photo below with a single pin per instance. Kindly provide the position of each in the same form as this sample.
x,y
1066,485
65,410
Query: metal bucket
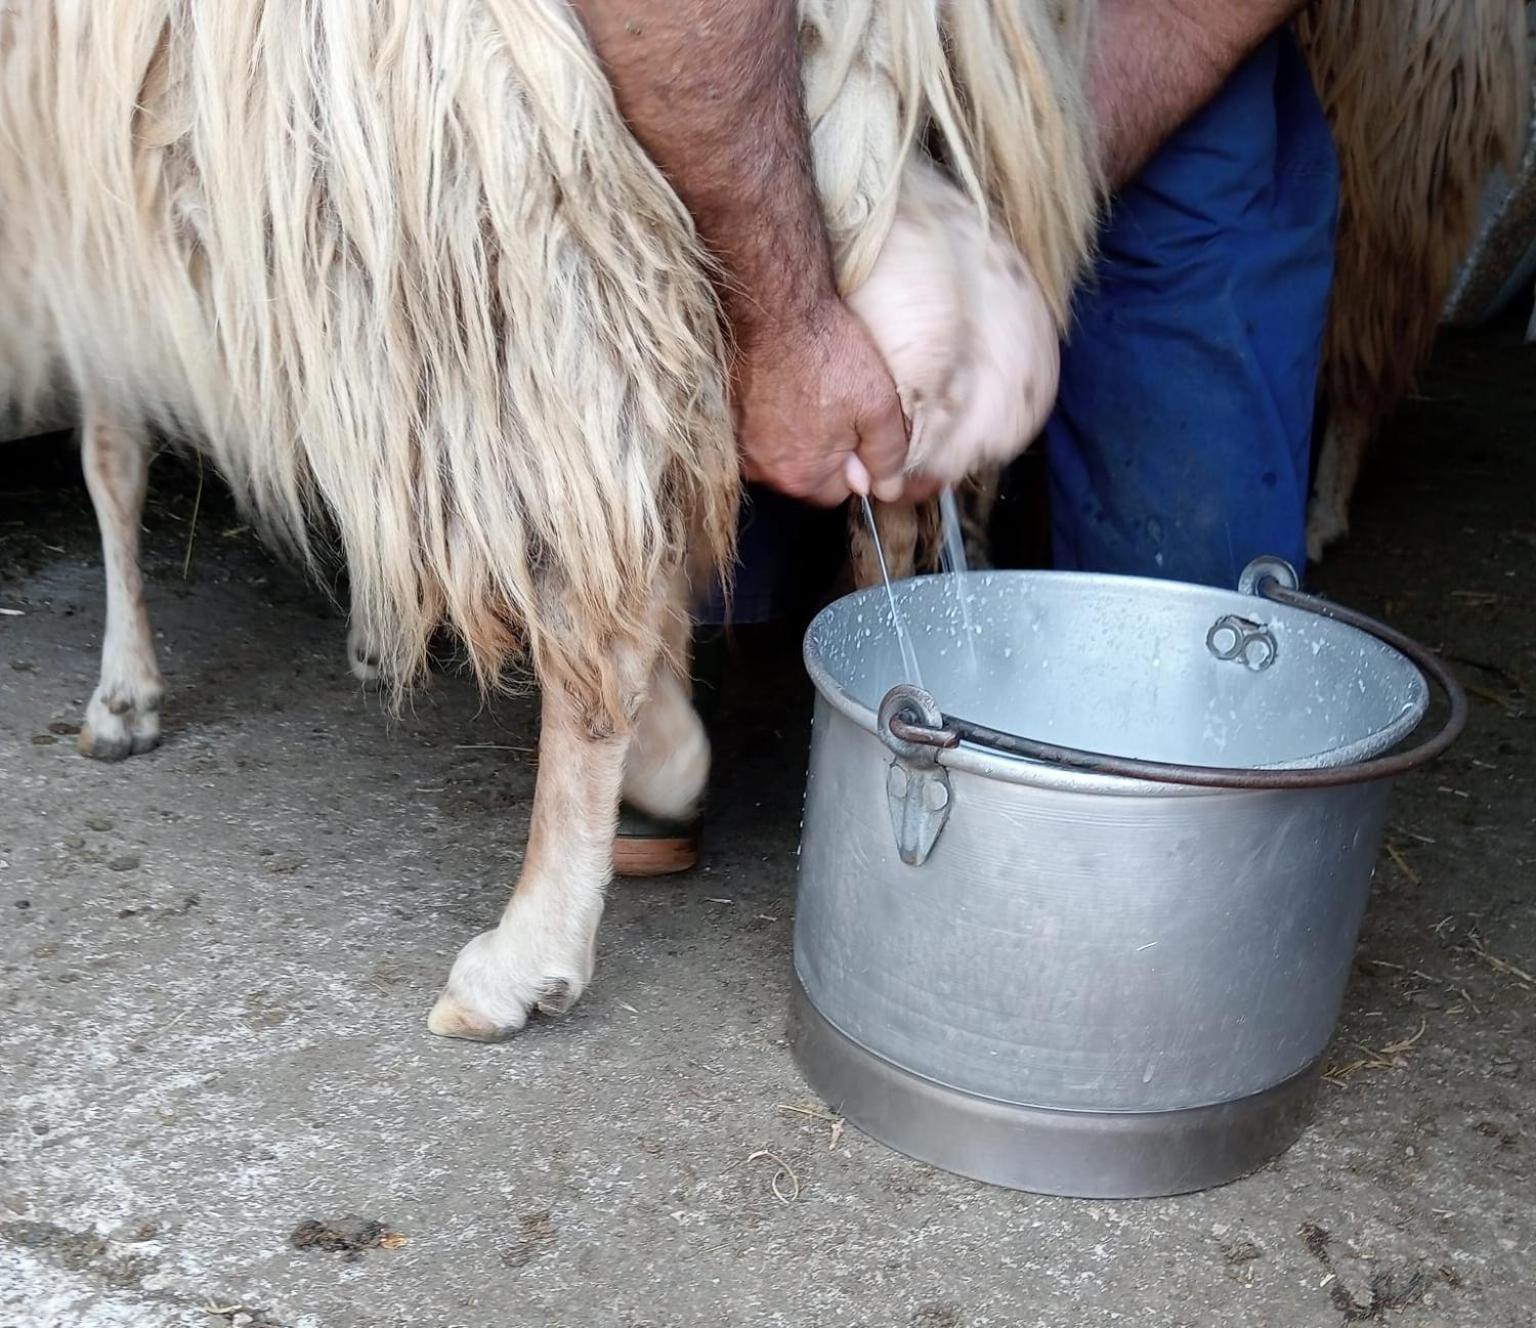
x,y
1103,960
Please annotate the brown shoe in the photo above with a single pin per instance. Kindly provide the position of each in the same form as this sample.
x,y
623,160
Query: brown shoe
x,y
649,846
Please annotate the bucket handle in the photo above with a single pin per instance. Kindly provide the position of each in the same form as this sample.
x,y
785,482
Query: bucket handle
x,y
905,725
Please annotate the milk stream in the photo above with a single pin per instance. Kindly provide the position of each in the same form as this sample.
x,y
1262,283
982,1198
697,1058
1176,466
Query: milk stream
x,y
953,561
954,543
908,655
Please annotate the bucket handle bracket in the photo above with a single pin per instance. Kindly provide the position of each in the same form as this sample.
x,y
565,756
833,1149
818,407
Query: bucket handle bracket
x,y
917,787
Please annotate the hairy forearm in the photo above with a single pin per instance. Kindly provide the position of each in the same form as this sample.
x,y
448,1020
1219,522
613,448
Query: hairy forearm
x,y
1159,61
711,89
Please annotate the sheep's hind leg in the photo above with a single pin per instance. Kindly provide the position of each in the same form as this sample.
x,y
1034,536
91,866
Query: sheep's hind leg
x,y
1338,469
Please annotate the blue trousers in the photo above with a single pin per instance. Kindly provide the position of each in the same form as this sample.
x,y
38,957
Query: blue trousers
x,y
1181,439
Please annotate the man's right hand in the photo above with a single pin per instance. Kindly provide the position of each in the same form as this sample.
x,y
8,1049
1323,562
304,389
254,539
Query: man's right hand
x,y
817,415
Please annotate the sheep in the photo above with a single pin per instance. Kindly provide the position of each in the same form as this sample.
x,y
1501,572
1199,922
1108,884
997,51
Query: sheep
x,y
1425,97
402,274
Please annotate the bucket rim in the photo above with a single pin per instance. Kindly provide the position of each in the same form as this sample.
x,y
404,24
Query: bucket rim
x,y
1015,769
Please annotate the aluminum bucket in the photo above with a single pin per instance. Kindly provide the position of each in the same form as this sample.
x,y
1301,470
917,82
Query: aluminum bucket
x,y
1104,959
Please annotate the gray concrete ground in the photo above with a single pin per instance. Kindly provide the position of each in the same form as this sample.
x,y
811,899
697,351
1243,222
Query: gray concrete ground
x,y
217,960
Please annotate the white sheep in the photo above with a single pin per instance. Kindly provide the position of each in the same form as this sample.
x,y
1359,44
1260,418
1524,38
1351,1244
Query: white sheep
x,y
400,271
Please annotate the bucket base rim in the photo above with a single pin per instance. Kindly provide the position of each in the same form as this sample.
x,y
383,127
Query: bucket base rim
x,y
1071,1154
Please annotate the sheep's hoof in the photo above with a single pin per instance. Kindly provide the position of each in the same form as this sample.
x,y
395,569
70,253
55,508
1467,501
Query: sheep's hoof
x,y
364,661
450,1018
505,976
116,728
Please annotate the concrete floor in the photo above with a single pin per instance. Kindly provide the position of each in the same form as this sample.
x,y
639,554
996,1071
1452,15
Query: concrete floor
x,y
216,960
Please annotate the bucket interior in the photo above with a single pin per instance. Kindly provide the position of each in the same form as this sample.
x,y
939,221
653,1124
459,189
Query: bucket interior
x,y
1120,665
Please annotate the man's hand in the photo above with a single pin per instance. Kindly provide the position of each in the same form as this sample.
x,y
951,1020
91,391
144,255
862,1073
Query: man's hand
x,y
817,415
711,89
